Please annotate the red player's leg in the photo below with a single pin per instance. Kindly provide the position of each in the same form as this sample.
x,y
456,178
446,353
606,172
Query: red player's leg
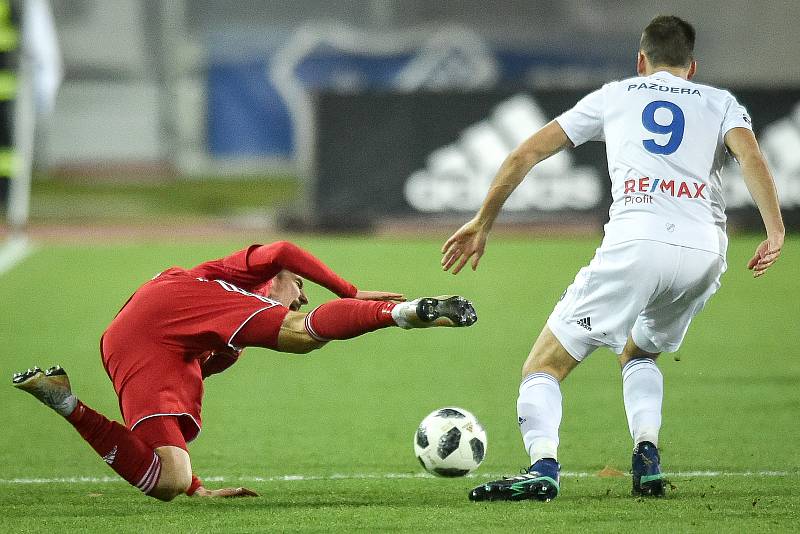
x,y
126,453
290,331
123,451
348,318
163,435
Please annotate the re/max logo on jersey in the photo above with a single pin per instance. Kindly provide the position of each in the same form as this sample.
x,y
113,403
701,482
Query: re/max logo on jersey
x,y
673,188
664,88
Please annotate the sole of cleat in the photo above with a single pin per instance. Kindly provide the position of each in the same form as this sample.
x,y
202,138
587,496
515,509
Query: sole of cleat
x,y
655,487
31,378
56,370
455,310
544,490
21,378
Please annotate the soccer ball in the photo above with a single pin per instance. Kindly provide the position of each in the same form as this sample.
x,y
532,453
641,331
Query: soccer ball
x,y
450,442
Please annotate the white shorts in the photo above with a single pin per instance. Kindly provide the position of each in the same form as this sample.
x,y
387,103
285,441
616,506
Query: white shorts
x,y
644,289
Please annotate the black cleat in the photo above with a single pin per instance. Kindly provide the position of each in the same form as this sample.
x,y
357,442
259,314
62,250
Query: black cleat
x,y
539,482
446,311
24,376
646,470
426,312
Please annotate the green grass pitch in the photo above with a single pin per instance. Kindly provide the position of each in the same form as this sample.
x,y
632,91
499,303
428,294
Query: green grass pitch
x,y
326,438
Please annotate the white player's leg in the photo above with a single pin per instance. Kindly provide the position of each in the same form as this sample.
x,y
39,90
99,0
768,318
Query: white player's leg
x,y
539,416
661,326
643,393
539,402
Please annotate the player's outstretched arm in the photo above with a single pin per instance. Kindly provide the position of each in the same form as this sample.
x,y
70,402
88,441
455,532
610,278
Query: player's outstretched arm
x,y
379,295
469,241
293,258
743,145
271,259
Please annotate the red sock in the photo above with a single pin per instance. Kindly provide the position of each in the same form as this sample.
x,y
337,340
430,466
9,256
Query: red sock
x,y
121,449
348,318
196,483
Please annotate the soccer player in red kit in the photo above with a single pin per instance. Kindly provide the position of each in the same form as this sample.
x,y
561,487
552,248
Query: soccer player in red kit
x,y
185,325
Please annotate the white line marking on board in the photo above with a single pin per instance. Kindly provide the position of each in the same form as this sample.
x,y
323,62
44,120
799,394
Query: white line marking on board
x,y
15,249
379,476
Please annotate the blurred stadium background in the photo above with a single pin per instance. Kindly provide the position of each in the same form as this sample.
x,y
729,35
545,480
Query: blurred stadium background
x,y
349,114
184,129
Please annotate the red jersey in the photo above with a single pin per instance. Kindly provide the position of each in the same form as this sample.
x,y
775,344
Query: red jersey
x,y
151,349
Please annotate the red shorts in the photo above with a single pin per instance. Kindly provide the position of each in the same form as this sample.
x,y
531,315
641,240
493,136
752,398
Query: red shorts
x,y
152,346
161,431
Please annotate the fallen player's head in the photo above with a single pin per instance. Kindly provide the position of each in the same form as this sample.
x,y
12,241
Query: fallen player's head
x,y
287,288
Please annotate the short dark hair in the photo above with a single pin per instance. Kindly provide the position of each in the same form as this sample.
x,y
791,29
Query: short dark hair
x,y
668,41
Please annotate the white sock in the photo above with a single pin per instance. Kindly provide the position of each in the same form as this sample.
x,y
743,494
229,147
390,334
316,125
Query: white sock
x,y
539,411
400,312
67,406
642,392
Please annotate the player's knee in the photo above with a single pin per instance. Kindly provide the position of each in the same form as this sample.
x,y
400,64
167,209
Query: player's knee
x,y
171,486
306,344
294,336
176,473
557,364
549,356
633,351
624,359
165,494
559,372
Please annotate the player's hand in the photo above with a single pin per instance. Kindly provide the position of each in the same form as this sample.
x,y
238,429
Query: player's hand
x,y
225,492
379,295
469,241
767,253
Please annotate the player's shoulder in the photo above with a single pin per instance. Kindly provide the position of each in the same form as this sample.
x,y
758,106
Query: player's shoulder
x,y
720,99
718,92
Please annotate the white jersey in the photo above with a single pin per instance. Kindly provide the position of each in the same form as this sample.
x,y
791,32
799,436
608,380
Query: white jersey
x,y
665,146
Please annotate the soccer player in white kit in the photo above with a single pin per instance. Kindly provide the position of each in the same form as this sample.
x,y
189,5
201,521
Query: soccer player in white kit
x,y
662,254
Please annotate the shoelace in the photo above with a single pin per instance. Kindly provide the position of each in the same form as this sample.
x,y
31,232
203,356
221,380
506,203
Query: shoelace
x,y
525,475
